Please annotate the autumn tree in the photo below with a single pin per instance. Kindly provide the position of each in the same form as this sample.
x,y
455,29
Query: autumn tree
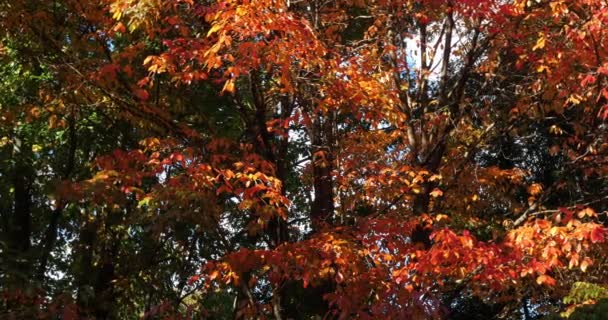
x,y
245,159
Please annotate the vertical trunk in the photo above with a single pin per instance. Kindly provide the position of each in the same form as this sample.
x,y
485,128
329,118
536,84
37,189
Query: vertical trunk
x,y
445,60
50,236
277,308
423,77
95,275
20,222
49,242
524,303
322,143
431,159
278,226
275,151
244,299
84,265
103,288
422,200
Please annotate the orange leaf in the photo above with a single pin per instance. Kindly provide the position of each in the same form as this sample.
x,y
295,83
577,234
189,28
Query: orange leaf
x,y
229,86
535,189
52,121
213,275
545,279
119,27
587,212
585,264
436,193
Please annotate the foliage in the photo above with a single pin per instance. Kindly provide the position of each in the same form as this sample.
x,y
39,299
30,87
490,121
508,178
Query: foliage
x,y
582,291
252,159
588,311
586,300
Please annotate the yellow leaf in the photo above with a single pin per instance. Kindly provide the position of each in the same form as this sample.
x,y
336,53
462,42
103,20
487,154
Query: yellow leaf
x,y
147,60
117,15
542,68
214,28
575,99
440,217
556,130
435,177
540,43
4,141
240,11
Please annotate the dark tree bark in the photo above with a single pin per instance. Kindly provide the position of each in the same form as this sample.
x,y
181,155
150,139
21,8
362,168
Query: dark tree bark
x,y
323,165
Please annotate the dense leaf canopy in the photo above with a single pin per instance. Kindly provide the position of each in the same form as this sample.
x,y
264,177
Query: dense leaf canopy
x,y
303,159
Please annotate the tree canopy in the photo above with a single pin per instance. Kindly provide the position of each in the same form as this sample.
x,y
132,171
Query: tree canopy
x,y
303,159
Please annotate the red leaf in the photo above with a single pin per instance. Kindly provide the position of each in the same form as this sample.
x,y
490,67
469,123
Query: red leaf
x,y
598,234
194,279
141,94
589,79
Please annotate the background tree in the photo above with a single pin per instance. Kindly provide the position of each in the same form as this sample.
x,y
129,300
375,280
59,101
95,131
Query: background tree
x,y
302,159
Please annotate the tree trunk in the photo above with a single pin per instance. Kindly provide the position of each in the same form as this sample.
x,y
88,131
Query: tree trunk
x,y
50,236
322,143
20,223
